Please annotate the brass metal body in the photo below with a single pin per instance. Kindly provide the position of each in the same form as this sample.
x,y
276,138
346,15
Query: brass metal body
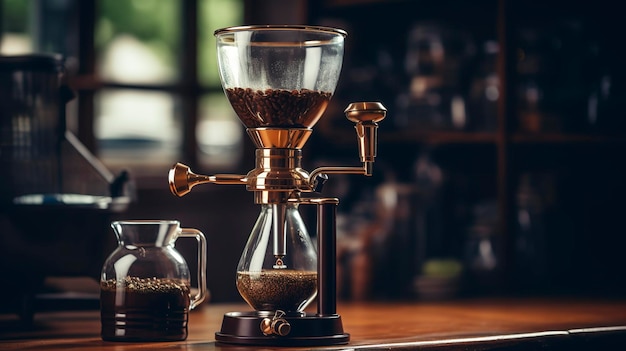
x,y
278,176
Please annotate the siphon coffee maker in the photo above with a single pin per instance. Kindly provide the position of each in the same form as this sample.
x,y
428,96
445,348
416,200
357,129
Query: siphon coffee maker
x,y
279,80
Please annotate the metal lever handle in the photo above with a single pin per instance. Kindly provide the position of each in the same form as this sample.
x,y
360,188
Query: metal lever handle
x,y
181,179
366,115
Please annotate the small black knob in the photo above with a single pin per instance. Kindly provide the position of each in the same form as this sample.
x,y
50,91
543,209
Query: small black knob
x,y
319,182
281,327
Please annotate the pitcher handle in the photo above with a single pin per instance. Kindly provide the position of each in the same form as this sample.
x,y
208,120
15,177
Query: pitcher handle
x,y
202,249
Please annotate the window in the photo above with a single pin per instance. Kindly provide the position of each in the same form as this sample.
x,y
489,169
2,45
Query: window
x,y
145,76
16,27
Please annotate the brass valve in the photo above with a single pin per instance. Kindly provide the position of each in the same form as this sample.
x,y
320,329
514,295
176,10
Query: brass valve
x,y
276,325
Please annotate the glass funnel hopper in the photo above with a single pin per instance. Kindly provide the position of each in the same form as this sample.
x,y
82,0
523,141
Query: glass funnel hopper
x,y
279,76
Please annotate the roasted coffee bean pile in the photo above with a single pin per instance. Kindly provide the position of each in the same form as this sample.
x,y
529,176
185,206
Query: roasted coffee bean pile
x,y
278,107
145,285
281,289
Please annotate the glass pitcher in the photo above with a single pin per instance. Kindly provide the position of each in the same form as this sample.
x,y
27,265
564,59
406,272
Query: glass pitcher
x,y
145,288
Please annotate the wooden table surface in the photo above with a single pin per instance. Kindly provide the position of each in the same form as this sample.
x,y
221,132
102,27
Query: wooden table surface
x,y
467,324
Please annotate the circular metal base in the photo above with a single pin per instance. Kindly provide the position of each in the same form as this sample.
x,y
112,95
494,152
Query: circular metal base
x,y
244,328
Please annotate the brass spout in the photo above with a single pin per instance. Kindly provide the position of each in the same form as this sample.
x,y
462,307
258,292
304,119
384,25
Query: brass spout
x,y
182,179
366,115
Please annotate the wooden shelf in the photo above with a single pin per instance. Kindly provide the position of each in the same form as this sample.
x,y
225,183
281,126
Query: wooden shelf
x,y
464,137
415,136
439,137
558,138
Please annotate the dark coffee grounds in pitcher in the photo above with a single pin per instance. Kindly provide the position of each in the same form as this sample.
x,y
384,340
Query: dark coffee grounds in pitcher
x,y
144,309
279,108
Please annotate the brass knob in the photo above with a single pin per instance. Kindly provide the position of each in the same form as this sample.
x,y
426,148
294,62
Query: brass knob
x,y
366,115
275,325
266,326
182,179
178,178
365,112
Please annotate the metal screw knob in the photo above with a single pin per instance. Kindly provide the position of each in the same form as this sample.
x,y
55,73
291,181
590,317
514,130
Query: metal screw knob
x,y
276,325
366,115
266,326
319,182
281,327
178,179
365,112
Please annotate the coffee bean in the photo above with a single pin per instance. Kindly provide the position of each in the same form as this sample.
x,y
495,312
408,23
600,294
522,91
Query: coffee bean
x,y
145,284
281,289
278,107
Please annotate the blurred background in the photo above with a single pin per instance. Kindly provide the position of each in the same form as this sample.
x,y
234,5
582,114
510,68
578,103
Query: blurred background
x,y
499,166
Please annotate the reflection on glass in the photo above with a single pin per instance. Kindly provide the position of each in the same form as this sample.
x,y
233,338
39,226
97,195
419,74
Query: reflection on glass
x,y
219,132
137,128
214,14
138,41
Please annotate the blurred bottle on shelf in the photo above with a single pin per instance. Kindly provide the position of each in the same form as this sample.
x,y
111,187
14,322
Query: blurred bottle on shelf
x,y
599,101
484,90
437,57
429,211
481,248
531,260
356,231
438,266
534,82
606,101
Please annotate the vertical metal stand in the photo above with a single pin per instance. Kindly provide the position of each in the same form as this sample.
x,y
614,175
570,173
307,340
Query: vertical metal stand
x,y
327,257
